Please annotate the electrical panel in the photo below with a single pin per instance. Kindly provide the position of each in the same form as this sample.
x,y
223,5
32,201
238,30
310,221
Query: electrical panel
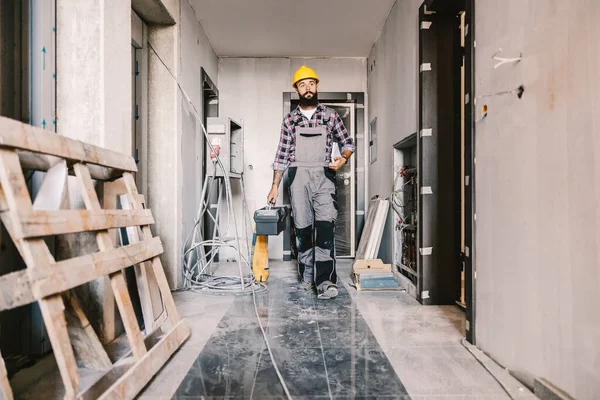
x,y
227,139
404,201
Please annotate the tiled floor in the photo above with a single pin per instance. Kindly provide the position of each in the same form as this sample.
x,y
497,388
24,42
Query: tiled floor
x,y
361,345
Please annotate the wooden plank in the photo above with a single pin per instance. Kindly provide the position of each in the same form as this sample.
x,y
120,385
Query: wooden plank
x,y
54,195
42,162
367,230
24,287
15,290
86,344
56,324
22,136
5,390
117,279
15,195
149,291
156,263
102,384
73,272
138,376
60,222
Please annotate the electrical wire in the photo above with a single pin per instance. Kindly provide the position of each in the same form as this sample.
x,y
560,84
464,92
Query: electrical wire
x,y
228,285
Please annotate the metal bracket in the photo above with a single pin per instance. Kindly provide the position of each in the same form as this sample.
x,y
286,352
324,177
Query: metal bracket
x,y
426,251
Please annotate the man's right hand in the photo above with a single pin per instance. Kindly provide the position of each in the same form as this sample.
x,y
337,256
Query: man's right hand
x,y
272,197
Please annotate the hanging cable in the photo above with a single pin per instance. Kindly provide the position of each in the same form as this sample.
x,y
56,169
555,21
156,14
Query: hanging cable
x,y
221,284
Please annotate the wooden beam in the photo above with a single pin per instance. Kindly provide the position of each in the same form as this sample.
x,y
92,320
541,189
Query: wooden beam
x,y
41,162
86,344
138,376
161,278
73,272
117,279
60,222
15,134
56,324
23,287
149,291
15,290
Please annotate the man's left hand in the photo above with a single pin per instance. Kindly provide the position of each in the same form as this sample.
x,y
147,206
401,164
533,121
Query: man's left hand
x,y
337,164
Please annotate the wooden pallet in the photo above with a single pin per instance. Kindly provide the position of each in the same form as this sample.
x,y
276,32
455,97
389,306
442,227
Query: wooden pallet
x,y
49,282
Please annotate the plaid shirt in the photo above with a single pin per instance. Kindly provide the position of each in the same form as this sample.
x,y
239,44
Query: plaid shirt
x,y
287,141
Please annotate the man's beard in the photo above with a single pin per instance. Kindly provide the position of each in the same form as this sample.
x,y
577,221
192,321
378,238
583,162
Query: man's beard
x,y
313,101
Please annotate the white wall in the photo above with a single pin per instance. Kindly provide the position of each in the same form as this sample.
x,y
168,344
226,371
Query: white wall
x,y
538,191
393,98
196,53
252,90
175,148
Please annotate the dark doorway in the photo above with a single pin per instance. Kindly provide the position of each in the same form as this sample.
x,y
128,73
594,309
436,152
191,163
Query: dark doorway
x,y
210,108
350,180
445,157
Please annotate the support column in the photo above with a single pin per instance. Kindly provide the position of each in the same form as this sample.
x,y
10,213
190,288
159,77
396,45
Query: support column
x,y
94,105
164,145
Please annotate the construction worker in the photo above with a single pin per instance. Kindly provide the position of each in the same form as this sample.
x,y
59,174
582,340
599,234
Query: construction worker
x,y
305,147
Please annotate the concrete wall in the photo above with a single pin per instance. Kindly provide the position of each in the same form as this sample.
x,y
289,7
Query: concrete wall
x,y
252,90
538,191
537,250
175,146
93,95
393,85
196,52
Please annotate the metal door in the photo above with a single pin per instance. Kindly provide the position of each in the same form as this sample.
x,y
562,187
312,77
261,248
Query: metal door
x,y
345,230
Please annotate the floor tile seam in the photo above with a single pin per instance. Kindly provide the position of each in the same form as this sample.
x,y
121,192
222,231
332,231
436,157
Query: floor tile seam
x,y
324,362
262,350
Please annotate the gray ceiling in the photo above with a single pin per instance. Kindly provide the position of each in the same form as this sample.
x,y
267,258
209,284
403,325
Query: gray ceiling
x,y
286,28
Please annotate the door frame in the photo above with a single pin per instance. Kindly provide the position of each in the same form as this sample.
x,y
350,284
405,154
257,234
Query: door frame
x,y
139,44
361,170
352,108
470,160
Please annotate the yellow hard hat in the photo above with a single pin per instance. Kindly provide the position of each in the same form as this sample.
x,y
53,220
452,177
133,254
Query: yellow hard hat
x,y
304,73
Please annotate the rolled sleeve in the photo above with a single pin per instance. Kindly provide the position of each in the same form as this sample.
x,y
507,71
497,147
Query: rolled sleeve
x,y
342,134
282,156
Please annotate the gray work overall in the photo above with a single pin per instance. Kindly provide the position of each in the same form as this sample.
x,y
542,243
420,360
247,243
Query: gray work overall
x,y
314,201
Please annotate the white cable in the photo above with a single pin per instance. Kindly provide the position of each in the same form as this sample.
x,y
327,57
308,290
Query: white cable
x,y
252,283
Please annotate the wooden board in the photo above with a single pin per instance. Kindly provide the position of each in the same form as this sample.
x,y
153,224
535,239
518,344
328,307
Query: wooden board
x,y
23,287
48,223
370,241
17,135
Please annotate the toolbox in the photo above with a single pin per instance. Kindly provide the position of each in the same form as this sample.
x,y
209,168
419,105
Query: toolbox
x,y
270,220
